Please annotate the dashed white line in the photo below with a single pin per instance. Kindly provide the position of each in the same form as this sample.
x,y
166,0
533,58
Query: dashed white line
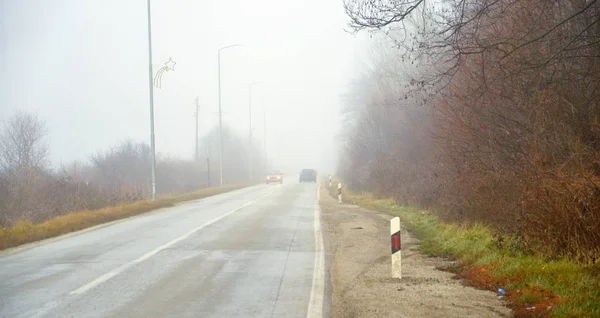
x,y
155,251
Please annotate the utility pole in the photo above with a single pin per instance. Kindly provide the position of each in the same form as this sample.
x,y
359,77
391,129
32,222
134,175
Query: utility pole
x,y
151,91
250,126
220,112
197,111
265,136
250,131
208,170
220,121
152,81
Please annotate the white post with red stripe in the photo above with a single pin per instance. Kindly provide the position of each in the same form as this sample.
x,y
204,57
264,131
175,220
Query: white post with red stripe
x,y
396,248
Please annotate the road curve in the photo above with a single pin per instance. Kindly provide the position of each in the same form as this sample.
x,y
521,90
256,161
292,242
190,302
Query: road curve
x,y
247,253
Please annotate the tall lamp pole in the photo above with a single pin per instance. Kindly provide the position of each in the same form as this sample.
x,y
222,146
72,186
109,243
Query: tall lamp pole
x,y
220,112
265,135
151,86
197,114
154,81
250,126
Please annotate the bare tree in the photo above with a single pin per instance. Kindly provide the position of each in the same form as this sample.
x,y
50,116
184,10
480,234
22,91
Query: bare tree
x,y
23,144
514,121
450,31
32,192
23,157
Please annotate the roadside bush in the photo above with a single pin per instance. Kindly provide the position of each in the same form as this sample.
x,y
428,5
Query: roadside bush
x,y
31,192
561,214
499,124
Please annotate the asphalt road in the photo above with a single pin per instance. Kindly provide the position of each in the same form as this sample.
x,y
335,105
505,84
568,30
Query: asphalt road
x,y
255,252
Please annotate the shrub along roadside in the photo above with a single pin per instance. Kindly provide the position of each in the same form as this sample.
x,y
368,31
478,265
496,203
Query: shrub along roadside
x,y
534,286
27,232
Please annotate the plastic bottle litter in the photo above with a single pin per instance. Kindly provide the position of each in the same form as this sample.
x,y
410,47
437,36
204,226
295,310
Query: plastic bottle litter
x,y
500,291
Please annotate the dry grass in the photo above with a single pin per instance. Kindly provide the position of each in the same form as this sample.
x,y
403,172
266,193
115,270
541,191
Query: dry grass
x,y
25,231
535,286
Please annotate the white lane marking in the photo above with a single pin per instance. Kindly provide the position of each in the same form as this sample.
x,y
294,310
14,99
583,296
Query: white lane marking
x,y
315,304
32,245
155,251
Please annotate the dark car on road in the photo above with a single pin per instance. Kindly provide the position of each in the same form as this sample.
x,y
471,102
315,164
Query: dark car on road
x,y
308,175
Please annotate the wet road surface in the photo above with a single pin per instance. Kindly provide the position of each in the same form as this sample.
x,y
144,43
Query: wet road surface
x,y
247,253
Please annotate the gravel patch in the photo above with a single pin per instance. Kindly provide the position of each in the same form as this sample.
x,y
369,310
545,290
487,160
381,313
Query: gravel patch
x,y
360,275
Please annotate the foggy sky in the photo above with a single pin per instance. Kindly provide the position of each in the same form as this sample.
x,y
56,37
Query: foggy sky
x,y
82,66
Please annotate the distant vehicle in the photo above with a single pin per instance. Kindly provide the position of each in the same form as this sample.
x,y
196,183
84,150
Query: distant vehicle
x,y
308,175
274,176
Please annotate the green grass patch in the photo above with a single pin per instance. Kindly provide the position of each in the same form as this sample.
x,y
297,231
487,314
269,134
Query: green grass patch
x,y
534,286
530,298
27,232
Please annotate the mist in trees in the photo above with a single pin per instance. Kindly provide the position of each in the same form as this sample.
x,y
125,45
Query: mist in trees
x,y
32,190
484,111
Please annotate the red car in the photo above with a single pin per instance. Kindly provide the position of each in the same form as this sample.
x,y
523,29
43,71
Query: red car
x,y
275,176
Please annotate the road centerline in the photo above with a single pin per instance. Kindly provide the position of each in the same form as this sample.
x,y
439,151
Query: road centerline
x,y
107,276
287,258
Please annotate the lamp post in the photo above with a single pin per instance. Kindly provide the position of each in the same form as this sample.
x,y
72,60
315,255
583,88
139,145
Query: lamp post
x,y
250,126
151,89
154,81
265,136
197,113
220,113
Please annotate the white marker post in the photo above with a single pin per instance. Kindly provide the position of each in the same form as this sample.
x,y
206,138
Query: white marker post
x,y
340,192
329,181
396,248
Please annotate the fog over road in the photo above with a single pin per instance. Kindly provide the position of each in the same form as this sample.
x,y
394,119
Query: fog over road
x,y
247,253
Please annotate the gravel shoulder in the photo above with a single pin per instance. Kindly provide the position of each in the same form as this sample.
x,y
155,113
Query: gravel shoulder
x,y
361,283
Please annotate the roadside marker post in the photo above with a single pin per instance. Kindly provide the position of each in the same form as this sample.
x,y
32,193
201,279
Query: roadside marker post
x,y
340,192
329,181
396,248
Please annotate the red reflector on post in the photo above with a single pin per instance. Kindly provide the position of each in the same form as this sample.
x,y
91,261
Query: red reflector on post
x,y
396,246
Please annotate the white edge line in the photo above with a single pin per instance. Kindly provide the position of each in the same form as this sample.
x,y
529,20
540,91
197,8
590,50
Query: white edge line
x,y
317,293
157,250
32,245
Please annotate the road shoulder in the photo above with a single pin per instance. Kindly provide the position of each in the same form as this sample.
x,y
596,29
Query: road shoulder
x,y
361,283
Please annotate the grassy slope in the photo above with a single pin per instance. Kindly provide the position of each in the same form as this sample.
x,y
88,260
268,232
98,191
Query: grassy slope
x,y
534,286
26,232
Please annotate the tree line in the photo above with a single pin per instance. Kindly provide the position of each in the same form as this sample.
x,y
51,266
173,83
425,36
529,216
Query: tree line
x,y
30,189
484,111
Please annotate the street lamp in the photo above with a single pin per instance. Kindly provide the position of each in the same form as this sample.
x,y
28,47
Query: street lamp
x,y
154,81
151,86
265,135
220,113
250,126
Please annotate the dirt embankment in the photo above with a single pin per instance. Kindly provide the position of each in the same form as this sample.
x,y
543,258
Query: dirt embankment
x,y
361,280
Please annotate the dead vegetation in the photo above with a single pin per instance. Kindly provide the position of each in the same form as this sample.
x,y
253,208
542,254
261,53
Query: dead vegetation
x,y
38,201
491,115
26,231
